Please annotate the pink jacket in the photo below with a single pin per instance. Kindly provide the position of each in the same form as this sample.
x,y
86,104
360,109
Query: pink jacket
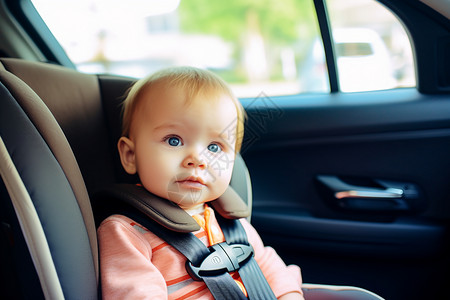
x,y
136,264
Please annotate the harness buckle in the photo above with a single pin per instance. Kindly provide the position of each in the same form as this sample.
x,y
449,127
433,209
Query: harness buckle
x,y
223,258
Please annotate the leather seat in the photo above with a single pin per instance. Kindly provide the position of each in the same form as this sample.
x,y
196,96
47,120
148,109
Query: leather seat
x,y
58,131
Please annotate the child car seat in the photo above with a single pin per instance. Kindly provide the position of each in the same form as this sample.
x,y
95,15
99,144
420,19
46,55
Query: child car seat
x,y
55,125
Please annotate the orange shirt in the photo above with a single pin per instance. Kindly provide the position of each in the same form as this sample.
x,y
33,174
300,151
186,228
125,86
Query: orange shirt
x,y
136,264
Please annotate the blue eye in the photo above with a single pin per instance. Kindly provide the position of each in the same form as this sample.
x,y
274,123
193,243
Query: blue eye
x,y
214,148
174,141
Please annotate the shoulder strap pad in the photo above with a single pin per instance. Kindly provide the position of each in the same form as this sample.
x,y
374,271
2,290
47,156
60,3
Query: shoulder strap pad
x,y
160,210
229,205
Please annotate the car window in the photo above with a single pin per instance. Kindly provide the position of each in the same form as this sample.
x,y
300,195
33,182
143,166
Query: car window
x,y
372,49
271,47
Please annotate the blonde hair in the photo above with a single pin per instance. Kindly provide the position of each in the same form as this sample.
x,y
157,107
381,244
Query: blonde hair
x,y
193,81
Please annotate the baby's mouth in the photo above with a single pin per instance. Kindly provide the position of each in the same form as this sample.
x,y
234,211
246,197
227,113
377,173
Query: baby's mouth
x,y
191,182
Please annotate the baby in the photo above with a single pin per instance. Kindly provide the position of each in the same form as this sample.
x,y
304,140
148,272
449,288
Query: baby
x,y
182,128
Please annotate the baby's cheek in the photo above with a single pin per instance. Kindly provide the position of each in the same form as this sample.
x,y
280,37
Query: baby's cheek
x,y
221,169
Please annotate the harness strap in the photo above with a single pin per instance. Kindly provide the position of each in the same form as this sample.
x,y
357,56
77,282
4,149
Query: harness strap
x,y
254,281
221,286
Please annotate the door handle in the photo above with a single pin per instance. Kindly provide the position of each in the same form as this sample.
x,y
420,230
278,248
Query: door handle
x,y
386,196
367,193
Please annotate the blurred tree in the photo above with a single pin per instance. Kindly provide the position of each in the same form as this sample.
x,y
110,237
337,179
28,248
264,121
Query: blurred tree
x,y
251,25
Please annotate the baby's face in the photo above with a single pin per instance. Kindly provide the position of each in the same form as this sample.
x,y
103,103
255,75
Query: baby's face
x,y
184,152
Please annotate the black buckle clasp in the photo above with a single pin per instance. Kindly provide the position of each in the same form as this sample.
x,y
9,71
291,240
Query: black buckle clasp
x,y
223,258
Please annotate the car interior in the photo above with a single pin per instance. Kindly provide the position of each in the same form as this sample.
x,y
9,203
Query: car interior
x,y
352,187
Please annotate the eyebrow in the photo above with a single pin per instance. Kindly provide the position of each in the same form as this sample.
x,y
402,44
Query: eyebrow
x,y
168,126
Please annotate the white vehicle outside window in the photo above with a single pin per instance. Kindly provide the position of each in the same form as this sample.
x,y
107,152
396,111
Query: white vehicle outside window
x,y
363,60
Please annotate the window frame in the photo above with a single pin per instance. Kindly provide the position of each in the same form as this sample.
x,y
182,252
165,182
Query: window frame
x,y
328,45
38,32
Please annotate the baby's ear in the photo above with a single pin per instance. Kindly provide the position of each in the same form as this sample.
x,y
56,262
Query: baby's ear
x,y
127,154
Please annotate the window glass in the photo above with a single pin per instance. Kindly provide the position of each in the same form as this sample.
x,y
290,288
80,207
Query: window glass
x,y
256,46
373,51
268,46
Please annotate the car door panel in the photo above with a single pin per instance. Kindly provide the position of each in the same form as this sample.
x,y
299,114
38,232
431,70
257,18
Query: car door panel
x,y
400,136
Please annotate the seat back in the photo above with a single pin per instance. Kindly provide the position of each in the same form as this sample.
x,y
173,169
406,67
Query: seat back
x,y
45,206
